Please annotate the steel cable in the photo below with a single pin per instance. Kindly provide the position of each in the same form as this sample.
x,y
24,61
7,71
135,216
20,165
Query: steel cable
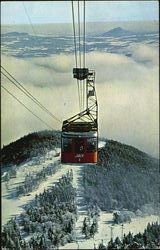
x,y
27,93
29,19
84,20
26,107
75,52
79,34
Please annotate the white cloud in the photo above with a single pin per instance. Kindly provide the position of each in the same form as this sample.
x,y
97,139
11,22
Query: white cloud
x,y
145,54
127,91
50,71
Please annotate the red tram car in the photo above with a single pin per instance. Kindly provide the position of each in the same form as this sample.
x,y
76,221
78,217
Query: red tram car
x,y
79,147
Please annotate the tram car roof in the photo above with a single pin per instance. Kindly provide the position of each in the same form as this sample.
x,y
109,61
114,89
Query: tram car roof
x,y
79,127
78,134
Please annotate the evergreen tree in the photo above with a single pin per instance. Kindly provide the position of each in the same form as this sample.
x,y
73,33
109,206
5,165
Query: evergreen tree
x,y
118,242
102,246
4,237
86,228
134,245
50,233
116,217
10,243
111,245
42,243
84,225
128,239
94,228
56,239
17,243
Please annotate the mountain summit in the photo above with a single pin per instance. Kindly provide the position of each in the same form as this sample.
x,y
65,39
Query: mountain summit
x,y
117,32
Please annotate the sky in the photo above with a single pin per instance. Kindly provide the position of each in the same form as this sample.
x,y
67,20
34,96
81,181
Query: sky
x,y
13,12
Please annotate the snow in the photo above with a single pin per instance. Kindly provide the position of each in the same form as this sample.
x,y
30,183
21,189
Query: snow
x,y
14,206
101,144
4,174
106,229
11,205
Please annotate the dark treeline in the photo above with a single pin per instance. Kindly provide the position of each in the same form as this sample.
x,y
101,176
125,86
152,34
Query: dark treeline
x,y
127,155
149,239
31,145
124,178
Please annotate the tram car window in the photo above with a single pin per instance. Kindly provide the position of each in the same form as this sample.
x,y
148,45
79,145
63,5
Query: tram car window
x,y
67,144
92,145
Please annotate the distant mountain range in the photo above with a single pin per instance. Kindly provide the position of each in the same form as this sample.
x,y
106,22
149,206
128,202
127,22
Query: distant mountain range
x,y
118,32
25,45
15,34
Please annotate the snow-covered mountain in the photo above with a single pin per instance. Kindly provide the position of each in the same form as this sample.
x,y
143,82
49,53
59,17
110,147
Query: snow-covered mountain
x,y
31,145
76,206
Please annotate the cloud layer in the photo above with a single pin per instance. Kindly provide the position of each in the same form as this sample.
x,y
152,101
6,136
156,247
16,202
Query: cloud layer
x,y
127,90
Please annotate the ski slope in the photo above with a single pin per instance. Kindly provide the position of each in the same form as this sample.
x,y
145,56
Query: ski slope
x,y
12,206
104,231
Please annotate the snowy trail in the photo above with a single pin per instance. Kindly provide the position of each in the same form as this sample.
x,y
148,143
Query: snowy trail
x,y
81,206
14,206
105,228
104,231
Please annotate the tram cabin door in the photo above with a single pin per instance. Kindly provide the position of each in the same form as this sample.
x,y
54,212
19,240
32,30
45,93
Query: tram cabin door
x,y
80,149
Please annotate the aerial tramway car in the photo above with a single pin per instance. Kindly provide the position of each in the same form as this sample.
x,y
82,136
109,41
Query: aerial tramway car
x,y
79,137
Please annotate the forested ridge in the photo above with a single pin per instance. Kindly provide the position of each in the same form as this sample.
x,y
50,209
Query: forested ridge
x,y
124,182
31,145
125,177
125,154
